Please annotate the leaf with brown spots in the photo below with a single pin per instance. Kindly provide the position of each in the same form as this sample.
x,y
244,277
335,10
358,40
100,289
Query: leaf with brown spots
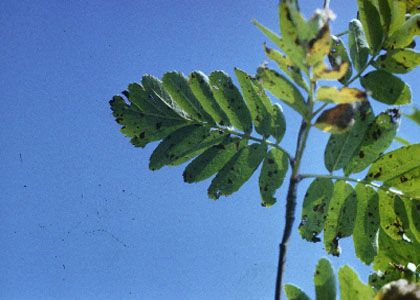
x,y
272,175
336,120
324,280
399,61
315,207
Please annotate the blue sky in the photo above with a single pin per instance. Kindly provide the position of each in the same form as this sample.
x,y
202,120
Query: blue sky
x,y
82,217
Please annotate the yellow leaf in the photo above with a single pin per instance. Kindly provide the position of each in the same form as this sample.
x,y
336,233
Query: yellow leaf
x,y
336,120
321,71
340,96
319,47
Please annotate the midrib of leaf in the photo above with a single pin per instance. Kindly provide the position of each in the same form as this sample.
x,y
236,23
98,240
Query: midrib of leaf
x,y
409,170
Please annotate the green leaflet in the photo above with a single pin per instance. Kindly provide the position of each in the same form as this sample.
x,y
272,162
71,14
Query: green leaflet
x,y
384,7
212,160
404,36
412,208
351,288
340,96
399,169
160,97
358,46
397,12
270,34
377,139
395,252
199,84
282,88
258,103
286,65
324,280
184,144
391,213
398,61
237,171
341,147
231,101
278,122
294,293
145,101
415,115
315,207
142,127
369,17
293,46
386,87
177,86
367,223
379,279
340,218
413,6
402,141
338,55
272,175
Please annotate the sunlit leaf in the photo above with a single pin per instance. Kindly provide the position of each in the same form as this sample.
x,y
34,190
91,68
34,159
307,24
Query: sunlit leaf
x,y
280,87
199,84
315,207
340,96
402,141
398,61
322,71
324,280
294,293
212,160
237,171
177,86
272,174
341,216
341,147
274,37
400,169
379,279
286,65
336,120
358,45
293,46
338,57
367,223
398,9
376,140
319,47
257,101
230,100
369,17
351,288
413,6
412,208
184,144
405,34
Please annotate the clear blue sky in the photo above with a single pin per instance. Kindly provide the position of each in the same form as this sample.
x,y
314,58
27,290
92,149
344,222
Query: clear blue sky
x,y
81,216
